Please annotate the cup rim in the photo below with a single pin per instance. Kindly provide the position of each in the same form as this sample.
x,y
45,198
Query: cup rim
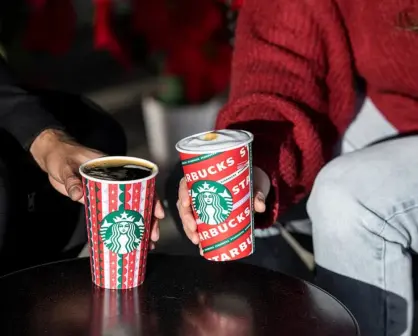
x,y
155,169
185,151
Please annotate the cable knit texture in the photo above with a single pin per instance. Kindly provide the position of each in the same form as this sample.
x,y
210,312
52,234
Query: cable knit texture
x,y
295,70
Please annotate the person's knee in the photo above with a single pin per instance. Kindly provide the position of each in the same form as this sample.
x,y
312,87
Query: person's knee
x,y
331,186
379,182
339,204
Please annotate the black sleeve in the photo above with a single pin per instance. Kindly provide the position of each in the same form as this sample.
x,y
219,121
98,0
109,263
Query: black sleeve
x,y
21,114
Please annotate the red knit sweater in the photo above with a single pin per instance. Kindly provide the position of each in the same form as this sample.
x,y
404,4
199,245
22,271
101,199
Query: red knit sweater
x,y
294,74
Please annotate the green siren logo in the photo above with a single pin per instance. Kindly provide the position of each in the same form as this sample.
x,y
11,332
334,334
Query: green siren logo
x,y
212,201
122,231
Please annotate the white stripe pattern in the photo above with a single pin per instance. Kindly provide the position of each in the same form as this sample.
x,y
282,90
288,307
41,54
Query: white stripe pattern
x,y
105,212
128,256
91,233
138,252
118,256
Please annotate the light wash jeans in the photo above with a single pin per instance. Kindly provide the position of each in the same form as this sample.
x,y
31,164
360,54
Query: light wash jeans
x,y
364,212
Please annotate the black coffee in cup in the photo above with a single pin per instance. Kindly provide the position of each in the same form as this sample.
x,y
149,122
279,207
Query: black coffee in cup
x,y
118,170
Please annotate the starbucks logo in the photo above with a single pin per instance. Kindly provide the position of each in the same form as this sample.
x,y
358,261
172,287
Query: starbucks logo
x,y
211,201
122,231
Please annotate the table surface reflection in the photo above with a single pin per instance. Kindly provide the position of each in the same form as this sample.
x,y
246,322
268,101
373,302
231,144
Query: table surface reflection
x,y
181,296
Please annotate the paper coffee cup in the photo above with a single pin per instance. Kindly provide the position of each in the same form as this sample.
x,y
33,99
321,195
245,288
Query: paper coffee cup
x,y
118,217
217,167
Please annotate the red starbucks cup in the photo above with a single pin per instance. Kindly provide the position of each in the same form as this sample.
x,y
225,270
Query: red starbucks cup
x,y
118,199
217,167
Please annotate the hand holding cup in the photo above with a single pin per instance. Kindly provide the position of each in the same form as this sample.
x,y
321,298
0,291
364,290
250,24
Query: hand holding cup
x,y
261,190
216,195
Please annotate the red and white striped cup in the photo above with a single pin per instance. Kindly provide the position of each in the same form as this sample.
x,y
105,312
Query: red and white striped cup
x,y
217,167
118,217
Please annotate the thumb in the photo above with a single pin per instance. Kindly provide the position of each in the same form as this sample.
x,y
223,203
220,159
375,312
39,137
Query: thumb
x,y
261,189
259,202
72,183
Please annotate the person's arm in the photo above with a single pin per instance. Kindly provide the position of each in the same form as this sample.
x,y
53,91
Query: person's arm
x,y
292,87
21,114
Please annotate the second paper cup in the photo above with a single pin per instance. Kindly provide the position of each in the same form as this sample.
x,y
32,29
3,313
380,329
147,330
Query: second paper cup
x,y
220,189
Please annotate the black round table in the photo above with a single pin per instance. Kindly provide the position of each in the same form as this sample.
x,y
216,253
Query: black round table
x,y
181,296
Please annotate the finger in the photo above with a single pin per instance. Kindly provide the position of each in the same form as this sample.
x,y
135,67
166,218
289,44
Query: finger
x,y
261,181
87,154
261,189
61,188
186,214
193,236
187,218
155,230
70,175
74,188
158,209
189,223
259,202
72,182
151,246
184,193
58,185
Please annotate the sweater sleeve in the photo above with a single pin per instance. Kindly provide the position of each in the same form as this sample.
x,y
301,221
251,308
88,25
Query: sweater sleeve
x,y
21,114
285,81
